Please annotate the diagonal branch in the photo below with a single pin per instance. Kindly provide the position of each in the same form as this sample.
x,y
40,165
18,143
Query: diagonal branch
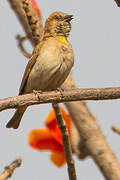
x,y
17,7
116,129
34,21
117,2
10,169
94,142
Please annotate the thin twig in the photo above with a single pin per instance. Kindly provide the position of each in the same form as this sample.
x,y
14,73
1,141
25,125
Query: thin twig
x,y
57,97
10,169
21,47
116,129
66,143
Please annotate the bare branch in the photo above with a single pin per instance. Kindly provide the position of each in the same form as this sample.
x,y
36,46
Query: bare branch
x,y
117,2
57,97
10,169
17,6
93,141
34,22
66,143
116,129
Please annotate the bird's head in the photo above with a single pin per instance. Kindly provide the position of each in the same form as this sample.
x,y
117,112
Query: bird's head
x,y
58,24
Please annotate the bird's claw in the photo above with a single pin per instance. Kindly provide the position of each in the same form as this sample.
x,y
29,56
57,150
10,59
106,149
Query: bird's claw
x,y
61,90
37,93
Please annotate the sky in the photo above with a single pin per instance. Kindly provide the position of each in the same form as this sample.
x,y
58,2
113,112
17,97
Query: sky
x,y
95,39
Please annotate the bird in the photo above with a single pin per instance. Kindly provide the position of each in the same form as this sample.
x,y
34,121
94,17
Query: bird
x,y
50,62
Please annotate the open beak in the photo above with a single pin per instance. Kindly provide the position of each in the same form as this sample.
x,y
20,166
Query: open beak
x,y
68,18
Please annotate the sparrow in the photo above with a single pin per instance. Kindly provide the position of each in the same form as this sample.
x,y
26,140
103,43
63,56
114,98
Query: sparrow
x,y
50,63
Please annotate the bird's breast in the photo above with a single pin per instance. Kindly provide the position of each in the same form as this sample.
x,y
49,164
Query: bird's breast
x,y
51,68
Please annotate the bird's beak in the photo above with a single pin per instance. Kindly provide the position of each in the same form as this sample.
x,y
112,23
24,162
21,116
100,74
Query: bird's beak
x,y
68,18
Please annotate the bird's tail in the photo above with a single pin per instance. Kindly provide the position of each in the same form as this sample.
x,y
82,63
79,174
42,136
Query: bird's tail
x,y
15,121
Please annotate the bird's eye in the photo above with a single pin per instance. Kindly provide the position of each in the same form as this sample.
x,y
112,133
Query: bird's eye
x,y
56,17
59,18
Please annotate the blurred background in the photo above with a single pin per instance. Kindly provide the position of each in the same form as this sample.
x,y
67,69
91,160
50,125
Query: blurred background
x,y
95,38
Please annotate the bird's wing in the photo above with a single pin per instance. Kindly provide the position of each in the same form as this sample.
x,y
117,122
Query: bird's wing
x,y
28,69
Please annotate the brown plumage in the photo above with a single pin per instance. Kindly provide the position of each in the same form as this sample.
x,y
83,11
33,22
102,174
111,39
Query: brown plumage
x,y
50,63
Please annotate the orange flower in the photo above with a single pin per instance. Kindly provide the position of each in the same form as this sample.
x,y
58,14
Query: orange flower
x,y
36,8
50,139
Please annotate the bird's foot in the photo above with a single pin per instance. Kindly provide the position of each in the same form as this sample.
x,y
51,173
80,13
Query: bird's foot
x,y
61,90
37,93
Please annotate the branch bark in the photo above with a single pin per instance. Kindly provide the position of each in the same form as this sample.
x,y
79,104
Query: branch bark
x,y
34,21
10,169
66,143
93,141
116,129
117,2
17,7
60,96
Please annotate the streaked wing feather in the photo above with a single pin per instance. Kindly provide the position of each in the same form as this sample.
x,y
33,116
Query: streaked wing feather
x,y
28,70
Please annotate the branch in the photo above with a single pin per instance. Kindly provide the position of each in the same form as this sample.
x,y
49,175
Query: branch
x,y
93,141
34,21
58,96
66,143
116,129
10,169
17,6
21,47
117,2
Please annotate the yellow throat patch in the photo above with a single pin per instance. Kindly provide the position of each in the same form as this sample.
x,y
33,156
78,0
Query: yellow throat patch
x,y
62,39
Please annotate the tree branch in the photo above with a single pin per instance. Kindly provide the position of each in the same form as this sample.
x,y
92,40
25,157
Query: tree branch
x,y
34,21
10,169
117,2
116,129
17,6
57,97
66,143
93,141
